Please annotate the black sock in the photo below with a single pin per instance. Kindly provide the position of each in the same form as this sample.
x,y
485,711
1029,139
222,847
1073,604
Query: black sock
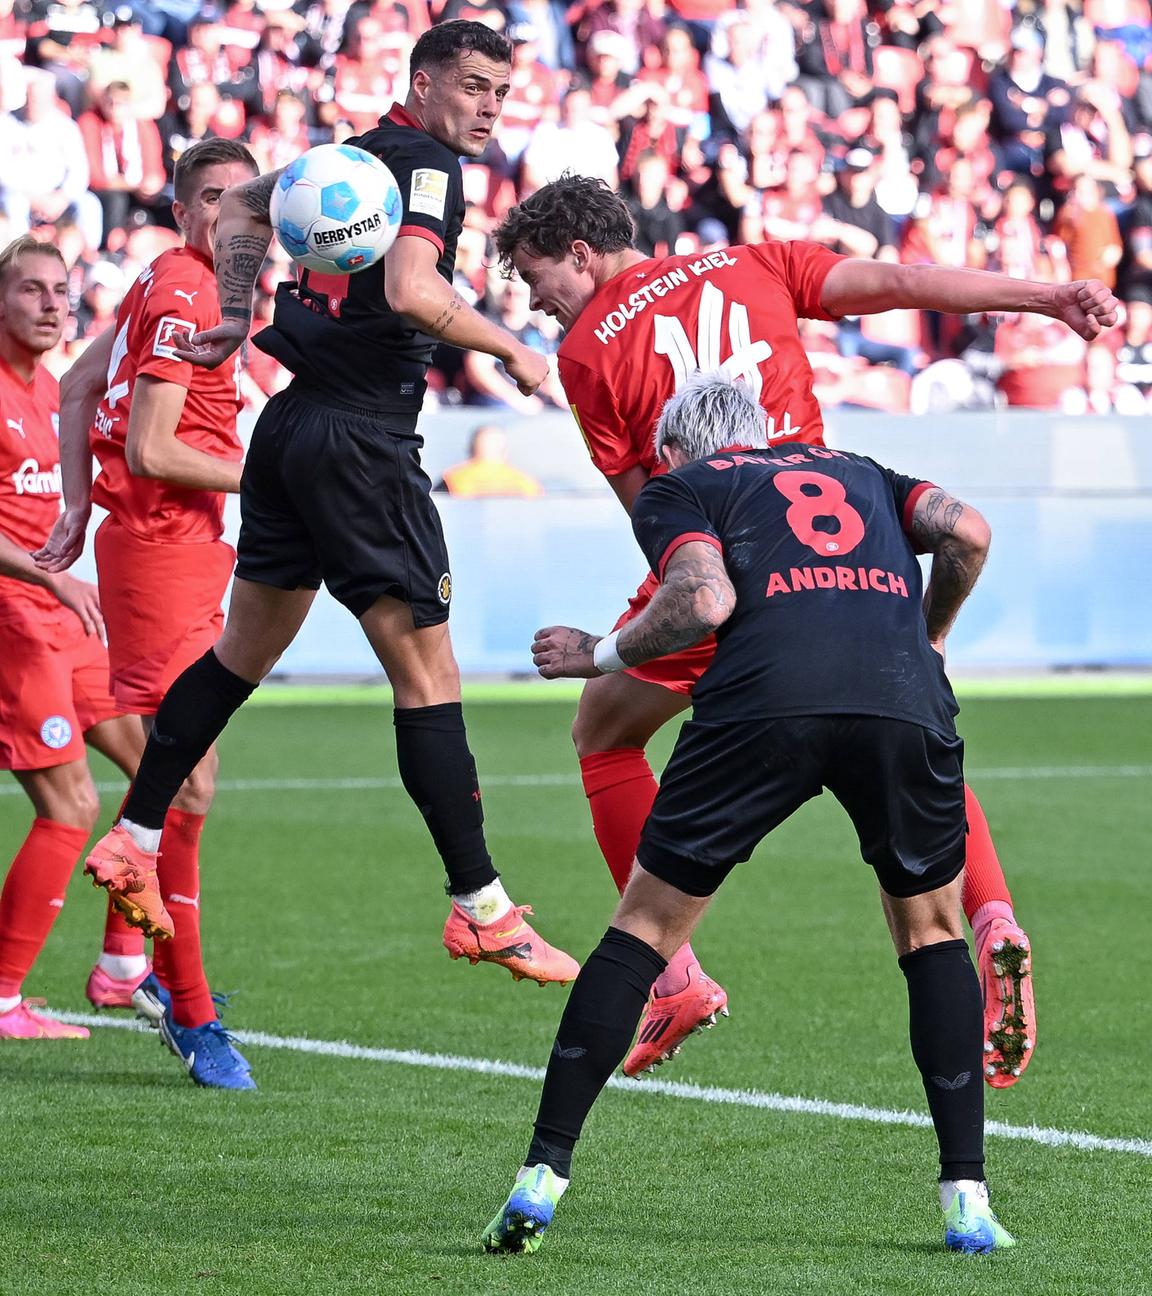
x,y
946,1027
439,774
595,1031
190,719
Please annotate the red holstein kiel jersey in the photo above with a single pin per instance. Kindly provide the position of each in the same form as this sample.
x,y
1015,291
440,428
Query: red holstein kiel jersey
x,y
649,328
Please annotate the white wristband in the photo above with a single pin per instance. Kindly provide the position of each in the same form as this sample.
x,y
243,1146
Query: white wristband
x,y
605,657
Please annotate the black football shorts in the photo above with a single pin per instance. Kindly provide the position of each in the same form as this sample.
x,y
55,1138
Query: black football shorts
x,y
727,786
336,494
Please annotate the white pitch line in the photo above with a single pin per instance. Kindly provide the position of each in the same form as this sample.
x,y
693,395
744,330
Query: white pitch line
x,y
393,784
1055,1138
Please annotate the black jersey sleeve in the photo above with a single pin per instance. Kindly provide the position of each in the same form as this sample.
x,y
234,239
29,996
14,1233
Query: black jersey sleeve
x,y
429,179
906,491
668,513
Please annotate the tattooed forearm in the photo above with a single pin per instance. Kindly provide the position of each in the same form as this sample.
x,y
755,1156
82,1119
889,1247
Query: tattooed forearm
x,y
694,598
238,261
255,196
957,537
444,321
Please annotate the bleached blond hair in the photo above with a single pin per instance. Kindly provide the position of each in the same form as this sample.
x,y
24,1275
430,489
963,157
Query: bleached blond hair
x,y
711,411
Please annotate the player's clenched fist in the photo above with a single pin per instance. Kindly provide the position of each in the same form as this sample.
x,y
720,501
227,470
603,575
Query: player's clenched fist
x,y
527,369
562,652
1087,306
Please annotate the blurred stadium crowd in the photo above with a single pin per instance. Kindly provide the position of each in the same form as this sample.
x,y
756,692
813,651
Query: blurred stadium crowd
x,y
974,133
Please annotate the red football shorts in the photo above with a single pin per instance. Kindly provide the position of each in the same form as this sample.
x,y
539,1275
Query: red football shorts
x,y
679,671
53,687
161,604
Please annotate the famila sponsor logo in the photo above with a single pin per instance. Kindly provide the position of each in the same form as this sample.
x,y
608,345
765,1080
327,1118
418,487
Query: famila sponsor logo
x,y
327,237
30,479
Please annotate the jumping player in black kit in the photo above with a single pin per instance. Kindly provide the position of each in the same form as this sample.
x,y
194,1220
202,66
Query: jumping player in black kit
x,y
333,491
802,561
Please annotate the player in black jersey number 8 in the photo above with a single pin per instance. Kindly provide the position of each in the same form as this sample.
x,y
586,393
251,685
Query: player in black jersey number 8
x,y
776,550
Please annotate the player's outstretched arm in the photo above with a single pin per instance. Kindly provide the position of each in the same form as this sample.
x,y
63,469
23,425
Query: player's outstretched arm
x,y
957,536
243,234
854,287
80,391
695,598
416,289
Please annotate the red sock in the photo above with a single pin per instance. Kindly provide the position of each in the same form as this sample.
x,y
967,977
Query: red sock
x,y
119,938
178,963
33,896
983,876
620,788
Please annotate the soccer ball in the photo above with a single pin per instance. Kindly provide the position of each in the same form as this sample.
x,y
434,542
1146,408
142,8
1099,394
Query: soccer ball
x,y
336,209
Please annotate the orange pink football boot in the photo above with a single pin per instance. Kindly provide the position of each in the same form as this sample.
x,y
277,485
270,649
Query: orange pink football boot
x,y
105,991
128,874
22,1023
511,942
669,1020
1004,961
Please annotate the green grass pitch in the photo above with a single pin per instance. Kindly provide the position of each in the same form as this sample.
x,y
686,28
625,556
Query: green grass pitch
x,y
323,908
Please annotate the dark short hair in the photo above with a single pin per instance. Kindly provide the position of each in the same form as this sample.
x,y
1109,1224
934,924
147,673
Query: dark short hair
x,y
26,245
445,42
554,217
209,152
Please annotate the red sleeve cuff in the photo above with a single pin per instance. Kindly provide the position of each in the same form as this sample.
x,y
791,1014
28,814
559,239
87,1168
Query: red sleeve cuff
x,y
910,503
418,231
684,539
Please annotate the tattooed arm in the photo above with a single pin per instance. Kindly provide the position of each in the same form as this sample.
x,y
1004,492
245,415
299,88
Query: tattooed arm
x,y
958,538
694,599
415,289
243,233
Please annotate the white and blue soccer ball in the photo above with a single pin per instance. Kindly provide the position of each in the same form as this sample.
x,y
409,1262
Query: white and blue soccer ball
x,y
336,209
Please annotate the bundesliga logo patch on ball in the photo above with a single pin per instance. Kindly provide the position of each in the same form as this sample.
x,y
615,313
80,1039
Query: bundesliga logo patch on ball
x,y
336,209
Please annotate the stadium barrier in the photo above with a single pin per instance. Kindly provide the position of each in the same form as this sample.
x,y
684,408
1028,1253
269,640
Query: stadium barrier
x,y
1067,585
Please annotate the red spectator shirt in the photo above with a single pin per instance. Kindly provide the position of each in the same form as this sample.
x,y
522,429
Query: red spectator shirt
x,y
687,91
176,294
532,88
361,86
29,482
650,327
276,148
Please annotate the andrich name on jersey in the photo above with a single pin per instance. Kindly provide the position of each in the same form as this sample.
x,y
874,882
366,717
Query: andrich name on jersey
x,y
837,578
30,479
326,237
641,298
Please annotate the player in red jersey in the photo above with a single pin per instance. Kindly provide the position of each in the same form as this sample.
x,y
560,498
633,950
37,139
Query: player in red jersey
x,y
165,436
53,666
636,328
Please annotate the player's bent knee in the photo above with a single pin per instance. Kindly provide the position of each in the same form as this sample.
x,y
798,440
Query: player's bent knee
x,y
78,805
605,723
87,806
425,678
245,660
